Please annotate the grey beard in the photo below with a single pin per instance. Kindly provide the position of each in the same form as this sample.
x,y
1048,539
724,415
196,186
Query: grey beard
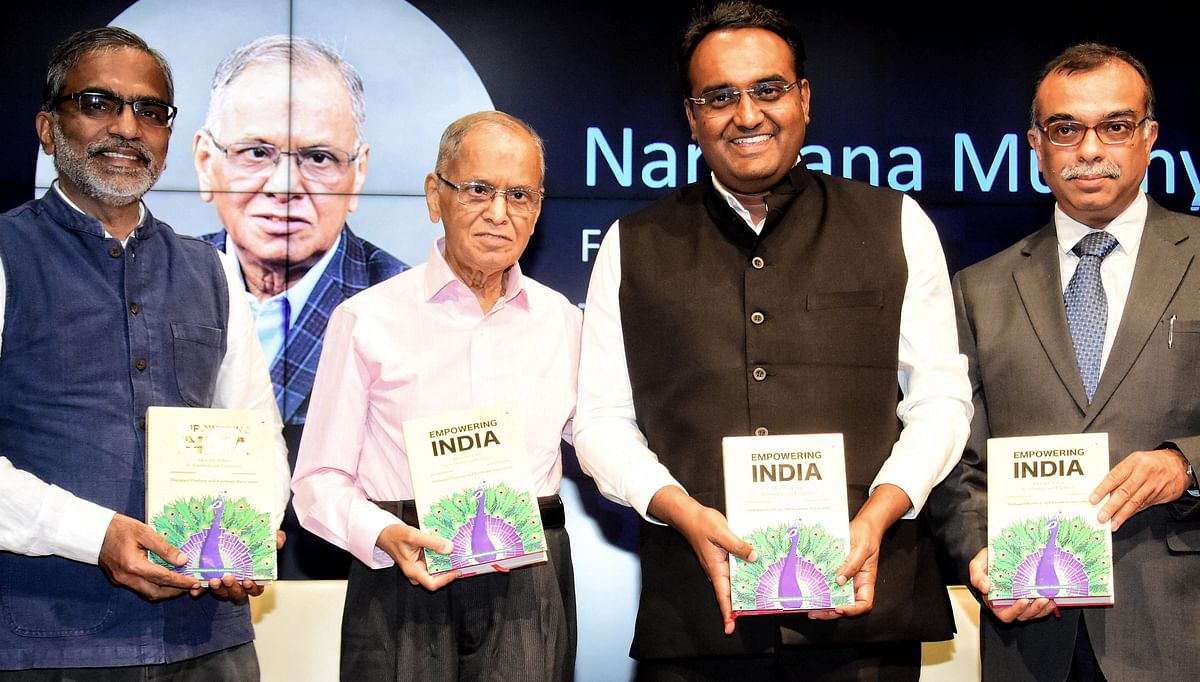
x,y
127,189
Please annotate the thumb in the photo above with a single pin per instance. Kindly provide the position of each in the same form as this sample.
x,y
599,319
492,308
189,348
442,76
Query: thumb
x,y
730,542
431,542
154,542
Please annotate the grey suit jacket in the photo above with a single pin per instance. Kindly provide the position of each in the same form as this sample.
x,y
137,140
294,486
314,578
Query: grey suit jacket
x,y
1013,329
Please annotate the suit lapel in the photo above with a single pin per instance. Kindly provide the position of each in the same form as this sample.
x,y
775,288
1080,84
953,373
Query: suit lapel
x,y
1039,285
1159,270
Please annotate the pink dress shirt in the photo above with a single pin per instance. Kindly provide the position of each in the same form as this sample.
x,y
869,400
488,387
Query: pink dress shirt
x,y
418,345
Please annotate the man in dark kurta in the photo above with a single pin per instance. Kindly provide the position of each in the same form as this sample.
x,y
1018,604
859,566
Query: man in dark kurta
x,y
768,299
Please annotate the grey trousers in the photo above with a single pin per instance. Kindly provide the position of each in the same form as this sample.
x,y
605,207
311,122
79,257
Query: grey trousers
x,y
236,664
516,626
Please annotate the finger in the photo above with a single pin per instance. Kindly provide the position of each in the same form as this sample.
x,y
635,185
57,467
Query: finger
x,y
853,564
150,590
433,583
148,539
1040,608
280,539
1110,481
864,596
729,541
430,542
724,603
1007,614
418,574
978,569
142,568
1127,500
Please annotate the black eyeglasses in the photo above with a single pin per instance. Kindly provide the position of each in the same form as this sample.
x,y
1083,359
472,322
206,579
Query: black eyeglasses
x,y
479,194
104,106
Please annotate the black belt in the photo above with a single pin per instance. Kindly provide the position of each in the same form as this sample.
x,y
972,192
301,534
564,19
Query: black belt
x,y
551,507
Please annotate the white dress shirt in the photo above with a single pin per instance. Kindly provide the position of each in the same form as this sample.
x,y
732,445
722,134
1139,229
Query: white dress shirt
x,y
1116,270
37,518
935,411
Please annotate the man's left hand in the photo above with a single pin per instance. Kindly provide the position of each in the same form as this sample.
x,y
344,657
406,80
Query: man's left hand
x,y
228,588
1141,480
885,506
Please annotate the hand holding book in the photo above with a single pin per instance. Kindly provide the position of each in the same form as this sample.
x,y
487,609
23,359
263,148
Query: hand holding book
x,y
406,546
1020,610
707,531
1141,480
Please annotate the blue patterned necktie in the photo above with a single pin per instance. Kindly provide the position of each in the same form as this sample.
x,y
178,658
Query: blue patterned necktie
x,y
1087,306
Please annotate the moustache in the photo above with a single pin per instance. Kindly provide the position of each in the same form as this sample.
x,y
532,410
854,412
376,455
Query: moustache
x,y
1104,169
117,144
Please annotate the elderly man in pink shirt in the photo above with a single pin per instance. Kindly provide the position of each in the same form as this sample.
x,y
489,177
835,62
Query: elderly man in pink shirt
x,y
463,330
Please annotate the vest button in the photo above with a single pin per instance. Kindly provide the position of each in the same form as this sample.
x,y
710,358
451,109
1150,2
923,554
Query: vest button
x,y
141,423
114,251
133,307
140,364
759,374
757,317
758,263
761,431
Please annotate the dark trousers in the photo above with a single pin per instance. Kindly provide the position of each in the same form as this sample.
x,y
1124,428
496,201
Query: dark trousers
x,y
514,626
237,664
885,662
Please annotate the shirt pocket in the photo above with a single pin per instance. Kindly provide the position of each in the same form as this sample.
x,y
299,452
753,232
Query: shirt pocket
x,y
198,352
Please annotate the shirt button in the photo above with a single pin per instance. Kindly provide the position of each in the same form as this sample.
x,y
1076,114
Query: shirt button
x,y
757,262
759,374
133,307
757,317
140,364
114,251
760,431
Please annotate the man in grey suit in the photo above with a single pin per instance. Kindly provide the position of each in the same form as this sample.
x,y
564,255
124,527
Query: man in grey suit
x,y
1042,364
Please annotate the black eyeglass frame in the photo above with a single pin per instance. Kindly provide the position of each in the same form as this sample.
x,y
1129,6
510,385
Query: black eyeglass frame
x,y
136,104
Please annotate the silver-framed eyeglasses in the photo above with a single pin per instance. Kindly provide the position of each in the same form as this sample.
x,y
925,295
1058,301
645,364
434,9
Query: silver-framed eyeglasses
x,y
719,100
1068,133
324,165
103,106
478,194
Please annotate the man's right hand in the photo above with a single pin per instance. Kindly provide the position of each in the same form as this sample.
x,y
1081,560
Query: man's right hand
x,y
405,544
1021,610
707,531
123,559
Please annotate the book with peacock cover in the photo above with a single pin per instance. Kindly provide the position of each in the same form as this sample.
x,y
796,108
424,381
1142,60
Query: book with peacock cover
x,y
786,496
210,489
1043,536
470,475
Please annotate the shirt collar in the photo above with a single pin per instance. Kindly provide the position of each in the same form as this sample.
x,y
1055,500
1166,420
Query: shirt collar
x,y
297,294
1126,228
67,200
778,198
441,282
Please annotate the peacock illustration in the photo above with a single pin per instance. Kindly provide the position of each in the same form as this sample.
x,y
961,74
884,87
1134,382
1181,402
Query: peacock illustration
x,y
486,524
795,570
219,537
1049,556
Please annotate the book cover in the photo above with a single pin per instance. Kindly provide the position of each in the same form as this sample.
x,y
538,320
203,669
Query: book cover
x,y
470,474
1043,536
210,489
786,496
